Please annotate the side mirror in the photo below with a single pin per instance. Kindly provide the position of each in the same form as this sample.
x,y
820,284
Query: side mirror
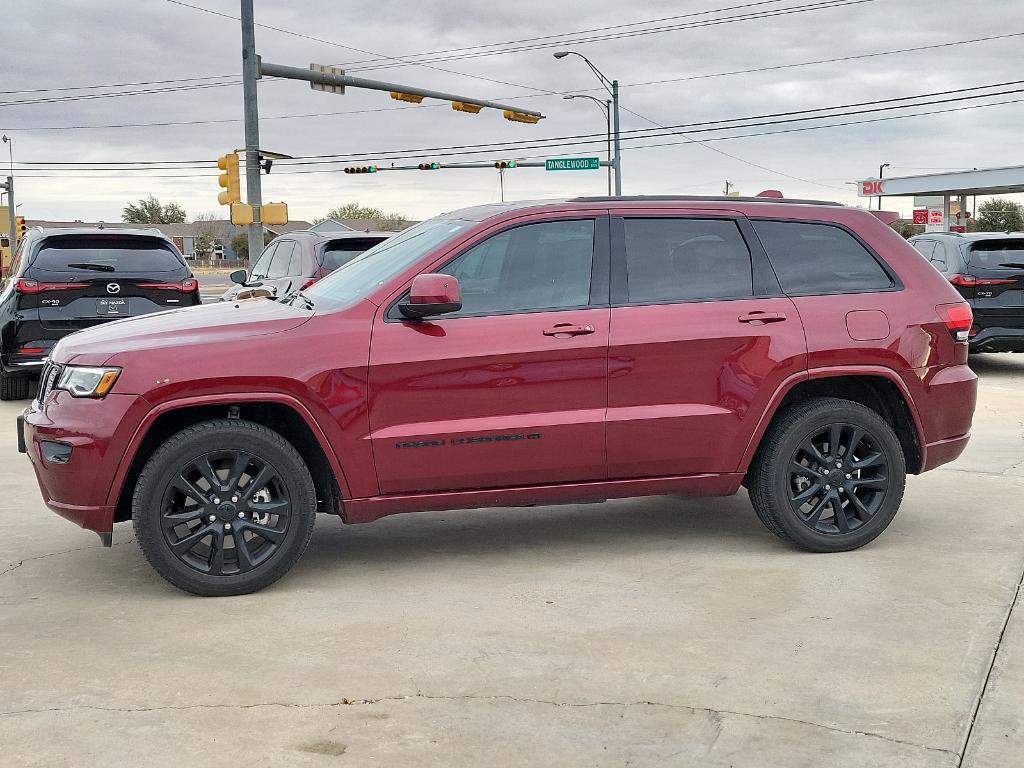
x,y
432,294
239,276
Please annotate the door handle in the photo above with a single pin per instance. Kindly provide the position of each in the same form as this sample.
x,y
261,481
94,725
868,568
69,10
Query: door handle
x,y
568,329
759,317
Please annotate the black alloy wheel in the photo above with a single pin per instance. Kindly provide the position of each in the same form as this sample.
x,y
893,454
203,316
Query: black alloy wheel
x,y
225,512
224,507
828,476
837,479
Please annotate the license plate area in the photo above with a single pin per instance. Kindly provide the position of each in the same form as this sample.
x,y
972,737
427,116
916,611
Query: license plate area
x,y
109,307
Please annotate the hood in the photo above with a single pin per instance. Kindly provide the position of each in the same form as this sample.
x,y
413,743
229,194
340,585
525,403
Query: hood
x,y
206,324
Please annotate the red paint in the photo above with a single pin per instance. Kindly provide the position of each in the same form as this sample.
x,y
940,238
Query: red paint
x,y
532,408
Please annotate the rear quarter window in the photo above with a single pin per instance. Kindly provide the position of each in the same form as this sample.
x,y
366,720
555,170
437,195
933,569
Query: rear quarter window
x,y
99,255
811,258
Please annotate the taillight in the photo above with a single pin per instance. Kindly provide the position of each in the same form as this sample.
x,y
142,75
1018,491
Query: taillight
x,y
30,350
958,319
185,286
34,286
970,281
308,283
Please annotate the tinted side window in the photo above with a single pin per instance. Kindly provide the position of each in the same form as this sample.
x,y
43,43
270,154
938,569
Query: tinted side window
x,y
282,260
295,268
819,258
536,266
686,259
939,256
262,265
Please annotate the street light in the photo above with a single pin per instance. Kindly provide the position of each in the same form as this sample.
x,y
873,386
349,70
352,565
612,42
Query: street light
x,y
606,107
881,168
612,86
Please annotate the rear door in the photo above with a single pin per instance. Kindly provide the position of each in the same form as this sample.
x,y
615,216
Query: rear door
x,y
997,269
77,281
701,338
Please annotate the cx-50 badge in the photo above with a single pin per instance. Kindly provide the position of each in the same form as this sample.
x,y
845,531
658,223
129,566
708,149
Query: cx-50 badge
x,y
113,288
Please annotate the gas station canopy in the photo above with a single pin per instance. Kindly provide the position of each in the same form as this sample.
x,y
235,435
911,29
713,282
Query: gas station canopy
x,y
985,181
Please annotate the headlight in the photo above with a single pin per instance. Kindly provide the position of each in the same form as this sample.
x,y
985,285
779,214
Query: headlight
x,y
82,381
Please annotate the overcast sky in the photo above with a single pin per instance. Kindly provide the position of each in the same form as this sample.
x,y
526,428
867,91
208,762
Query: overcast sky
x,y
59,44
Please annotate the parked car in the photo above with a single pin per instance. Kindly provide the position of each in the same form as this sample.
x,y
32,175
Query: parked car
x,y
297,260
64,280
521,354
987,269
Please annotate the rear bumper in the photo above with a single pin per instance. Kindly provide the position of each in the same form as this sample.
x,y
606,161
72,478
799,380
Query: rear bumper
x,y
78,488
998,340
945,398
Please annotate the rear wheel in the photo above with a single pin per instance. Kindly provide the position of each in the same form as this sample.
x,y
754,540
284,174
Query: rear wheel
x,y
829,476
14,386
224,507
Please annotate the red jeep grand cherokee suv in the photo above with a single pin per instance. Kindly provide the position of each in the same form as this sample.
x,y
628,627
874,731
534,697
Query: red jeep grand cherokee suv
x,y
516,354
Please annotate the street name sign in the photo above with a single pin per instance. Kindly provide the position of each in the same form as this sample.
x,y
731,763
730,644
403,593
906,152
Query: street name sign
x,y
572,164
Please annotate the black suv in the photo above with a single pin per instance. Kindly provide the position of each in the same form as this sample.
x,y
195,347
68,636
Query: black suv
x,y
297,260
987,268
64,280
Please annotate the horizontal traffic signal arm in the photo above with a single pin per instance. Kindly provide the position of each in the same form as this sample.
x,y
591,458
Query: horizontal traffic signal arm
x,y
401,92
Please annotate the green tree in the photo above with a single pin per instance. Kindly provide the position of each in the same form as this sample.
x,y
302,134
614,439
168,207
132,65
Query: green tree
x,y
240,245
1000,214
385,221
150,210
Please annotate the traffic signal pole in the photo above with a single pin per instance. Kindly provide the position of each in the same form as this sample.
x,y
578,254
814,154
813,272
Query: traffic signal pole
x,y
618,151
250,74
12,236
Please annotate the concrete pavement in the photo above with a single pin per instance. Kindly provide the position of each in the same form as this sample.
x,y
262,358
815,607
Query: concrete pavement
x,y
639,632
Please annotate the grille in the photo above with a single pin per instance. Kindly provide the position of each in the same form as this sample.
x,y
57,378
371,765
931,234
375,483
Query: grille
x,y
47,380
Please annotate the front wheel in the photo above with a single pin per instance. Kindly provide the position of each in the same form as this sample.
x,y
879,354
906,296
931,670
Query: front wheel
x,y
829,475
224,507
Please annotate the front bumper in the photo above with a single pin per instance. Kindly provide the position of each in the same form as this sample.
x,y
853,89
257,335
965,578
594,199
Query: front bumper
x,y
997,340
94,434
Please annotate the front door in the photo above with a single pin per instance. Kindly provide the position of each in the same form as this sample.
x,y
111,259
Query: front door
x,y
512,389
701,338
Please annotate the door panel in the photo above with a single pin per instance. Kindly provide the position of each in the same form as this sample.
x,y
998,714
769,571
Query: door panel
x,y
483,402
688,382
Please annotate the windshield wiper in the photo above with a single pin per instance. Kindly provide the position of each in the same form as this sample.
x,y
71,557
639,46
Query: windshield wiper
x,y
94,267
300,295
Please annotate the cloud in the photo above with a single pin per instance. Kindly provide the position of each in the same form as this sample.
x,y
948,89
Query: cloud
x,y
64,43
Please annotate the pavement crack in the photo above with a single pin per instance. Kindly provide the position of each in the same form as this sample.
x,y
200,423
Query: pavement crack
x,y
988,672
21,562
346,702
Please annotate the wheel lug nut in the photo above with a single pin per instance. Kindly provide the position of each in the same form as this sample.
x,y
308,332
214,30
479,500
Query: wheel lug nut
x,y
234,499
227,526
241,514
824,471
849,477
828,487
212,518
216,500
839,463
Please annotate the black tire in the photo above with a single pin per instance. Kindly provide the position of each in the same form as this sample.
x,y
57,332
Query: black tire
x,y
14,386
175,507
865,475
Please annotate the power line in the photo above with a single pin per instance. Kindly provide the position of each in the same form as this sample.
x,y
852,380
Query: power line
x,y
591,139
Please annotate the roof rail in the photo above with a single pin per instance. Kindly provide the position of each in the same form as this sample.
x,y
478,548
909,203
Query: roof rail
x,y
697,198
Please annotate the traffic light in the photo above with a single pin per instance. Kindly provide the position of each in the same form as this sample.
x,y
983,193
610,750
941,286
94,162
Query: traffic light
x,y
501,164
466,106
412,98
229,179
19,228
429,166
521,117
361,169
274,213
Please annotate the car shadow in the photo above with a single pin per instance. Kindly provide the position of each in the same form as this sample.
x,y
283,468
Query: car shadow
x,y
624,527
997,362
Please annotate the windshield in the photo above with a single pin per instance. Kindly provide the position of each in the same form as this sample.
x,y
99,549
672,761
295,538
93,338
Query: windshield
x,y
382,262
998,254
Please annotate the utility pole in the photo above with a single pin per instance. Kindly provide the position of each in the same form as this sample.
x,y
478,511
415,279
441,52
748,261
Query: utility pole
x,y
881,168
501,182
250,73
